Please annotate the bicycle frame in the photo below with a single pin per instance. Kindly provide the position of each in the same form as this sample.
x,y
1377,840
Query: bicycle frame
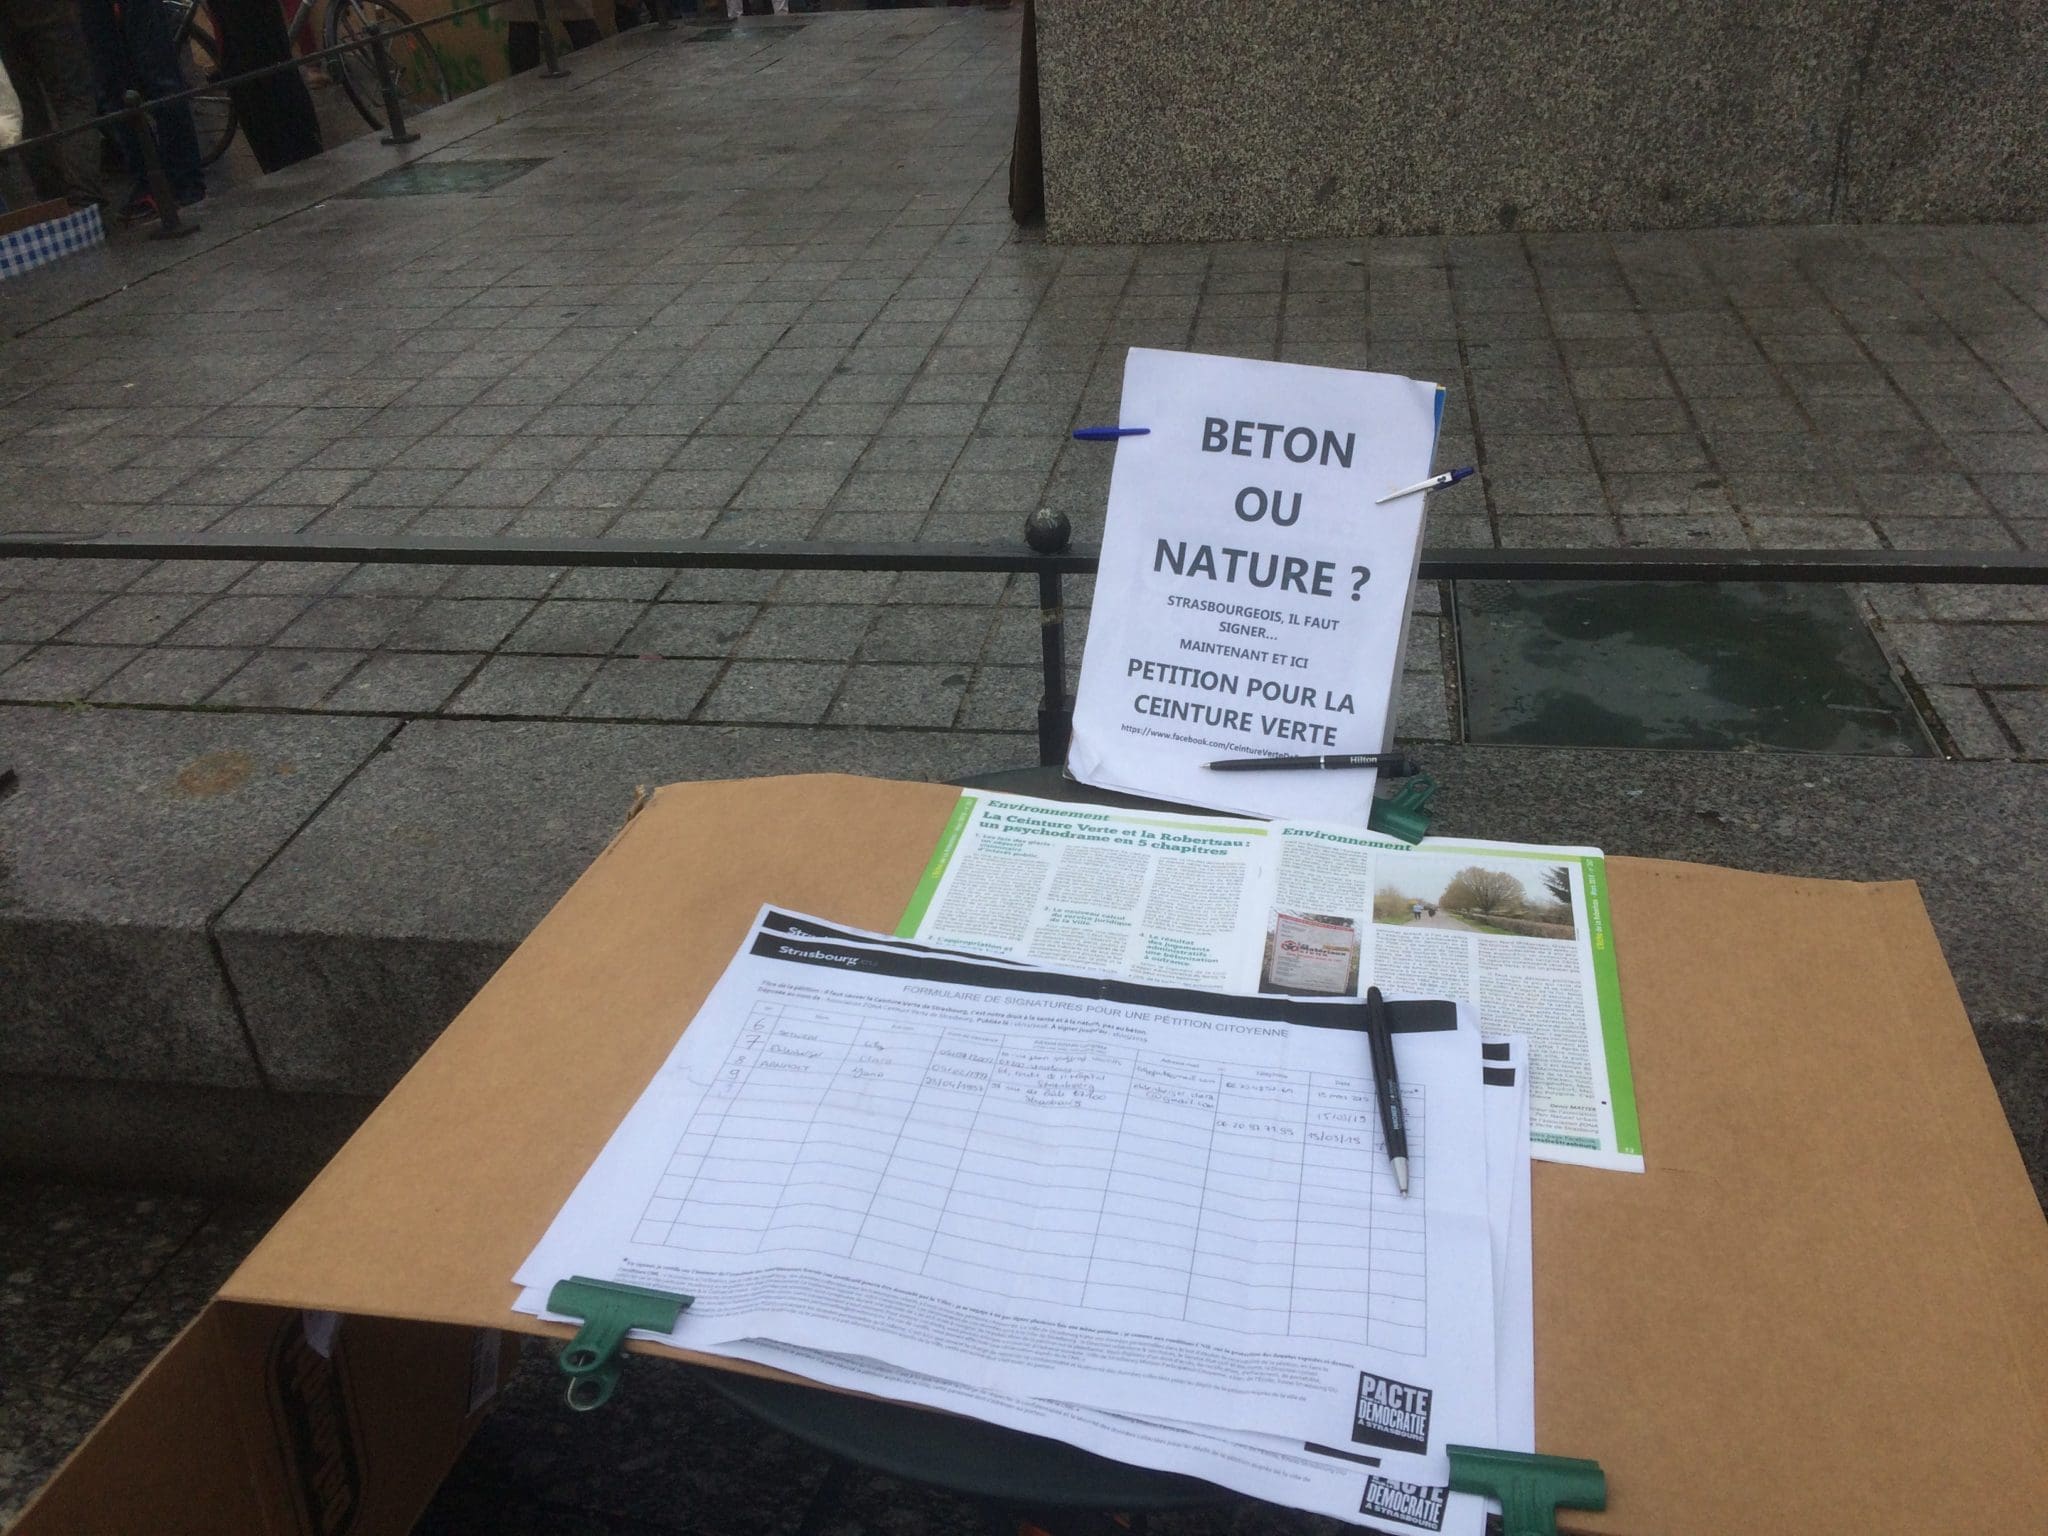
x,y
302,18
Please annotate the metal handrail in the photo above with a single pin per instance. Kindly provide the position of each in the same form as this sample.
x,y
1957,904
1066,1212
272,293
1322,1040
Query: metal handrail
x,y
1935,567
1055,713
694,554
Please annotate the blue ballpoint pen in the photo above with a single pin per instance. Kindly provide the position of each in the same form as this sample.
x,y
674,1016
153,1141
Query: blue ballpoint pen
x,y
1106,434
1434,483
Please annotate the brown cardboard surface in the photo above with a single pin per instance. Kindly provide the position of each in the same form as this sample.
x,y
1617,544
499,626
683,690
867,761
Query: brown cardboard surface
x,y
445,1190
239,1425
34,213
1826,1265
1820,1310
141,1458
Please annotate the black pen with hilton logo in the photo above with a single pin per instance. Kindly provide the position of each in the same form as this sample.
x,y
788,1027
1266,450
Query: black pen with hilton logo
x,y
1395,765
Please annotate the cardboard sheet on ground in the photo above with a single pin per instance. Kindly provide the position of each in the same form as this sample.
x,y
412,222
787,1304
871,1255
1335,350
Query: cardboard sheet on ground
x,y
1252,600
1051,1186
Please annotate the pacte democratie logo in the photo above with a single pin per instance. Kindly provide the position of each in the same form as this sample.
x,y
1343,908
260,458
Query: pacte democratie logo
x,y
1408,1503
1391,1414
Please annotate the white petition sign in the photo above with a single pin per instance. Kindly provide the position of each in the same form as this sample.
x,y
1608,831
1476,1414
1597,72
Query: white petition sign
x,y
1252,600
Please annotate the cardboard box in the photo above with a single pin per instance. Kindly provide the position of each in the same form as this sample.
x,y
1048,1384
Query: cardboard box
x,y
258,1420
33,214
44,232
1821,1309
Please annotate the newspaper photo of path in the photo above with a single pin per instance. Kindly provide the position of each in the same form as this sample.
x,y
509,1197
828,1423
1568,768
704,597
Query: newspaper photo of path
x,y
1509,898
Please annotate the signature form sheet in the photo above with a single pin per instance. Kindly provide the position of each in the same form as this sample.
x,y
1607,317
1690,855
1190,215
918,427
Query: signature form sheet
x,y
1135,1199
1373,1488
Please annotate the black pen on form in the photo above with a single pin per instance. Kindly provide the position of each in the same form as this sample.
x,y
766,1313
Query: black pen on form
x,y
1386,1085
1395,765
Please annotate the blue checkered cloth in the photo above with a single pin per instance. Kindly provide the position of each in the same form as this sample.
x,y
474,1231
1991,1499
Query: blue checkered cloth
x,y
41,244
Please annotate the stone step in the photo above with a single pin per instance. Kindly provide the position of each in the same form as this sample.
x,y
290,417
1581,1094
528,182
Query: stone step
x,y
223,938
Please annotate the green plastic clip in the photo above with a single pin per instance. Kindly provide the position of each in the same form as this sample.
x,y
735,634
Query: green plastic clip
x,y
1531,1489
1404,813
591,1359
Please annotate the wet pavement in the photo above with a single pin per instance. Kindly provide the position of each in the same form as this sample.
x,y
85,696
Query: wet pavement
x,y
766,287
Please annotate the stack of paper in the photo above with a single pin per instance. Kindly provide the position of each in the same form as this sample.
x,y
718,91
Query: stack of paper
x,y
1155,1223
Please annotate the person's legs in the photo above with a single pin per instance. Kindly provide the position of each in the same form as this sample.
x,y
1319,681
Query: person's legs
x,y
275,111
112,77
31,176
46,59
522,46
522,40
155,61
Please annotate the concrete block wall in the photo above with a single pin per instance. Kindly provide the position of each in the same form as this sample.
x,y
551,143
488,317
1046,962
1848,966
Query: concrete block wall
x,y
1169,120
223,937
215,988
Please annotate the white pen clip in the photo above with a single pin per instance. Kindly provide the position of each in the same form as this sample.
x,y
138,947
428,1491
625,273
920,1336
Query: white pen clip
x,y
1433,483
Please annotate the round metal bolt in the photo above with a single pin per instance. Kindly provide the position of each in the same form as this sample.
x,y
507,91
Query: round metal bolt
x,y
1047,531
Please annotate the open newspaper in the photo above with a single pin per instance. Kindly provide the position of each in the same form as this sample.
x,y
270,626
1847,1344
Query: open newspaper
x,y
1519,932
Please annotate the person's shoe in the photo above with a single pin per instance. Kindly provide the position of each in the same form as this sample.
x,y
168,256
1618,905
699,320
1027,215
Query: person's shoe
x,y
141,206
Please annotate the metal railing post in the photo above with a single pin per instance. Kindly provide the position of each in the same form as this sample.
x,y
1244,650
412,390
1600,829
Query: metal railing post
x,y
169,225
1055,714
551,63
1047,532
387,82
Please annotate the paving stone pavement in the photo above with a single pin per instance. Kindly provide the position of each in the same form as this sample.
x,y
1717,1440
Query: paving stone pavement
x,y
763,284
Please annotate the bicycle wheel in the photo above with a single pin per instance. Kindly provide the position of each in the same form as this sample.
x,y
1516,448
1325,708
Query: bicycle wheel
x,y
422,82
213,112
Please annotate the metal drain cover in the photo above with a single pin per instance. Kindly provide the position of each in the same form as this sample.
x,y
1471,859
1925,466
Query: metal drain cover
x,y
1720,666
444,178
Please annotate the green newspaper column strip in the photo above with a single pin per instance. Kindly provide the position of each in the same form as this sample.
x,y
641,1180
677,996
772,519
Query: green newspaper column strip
x,y
1621,1082
928,882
